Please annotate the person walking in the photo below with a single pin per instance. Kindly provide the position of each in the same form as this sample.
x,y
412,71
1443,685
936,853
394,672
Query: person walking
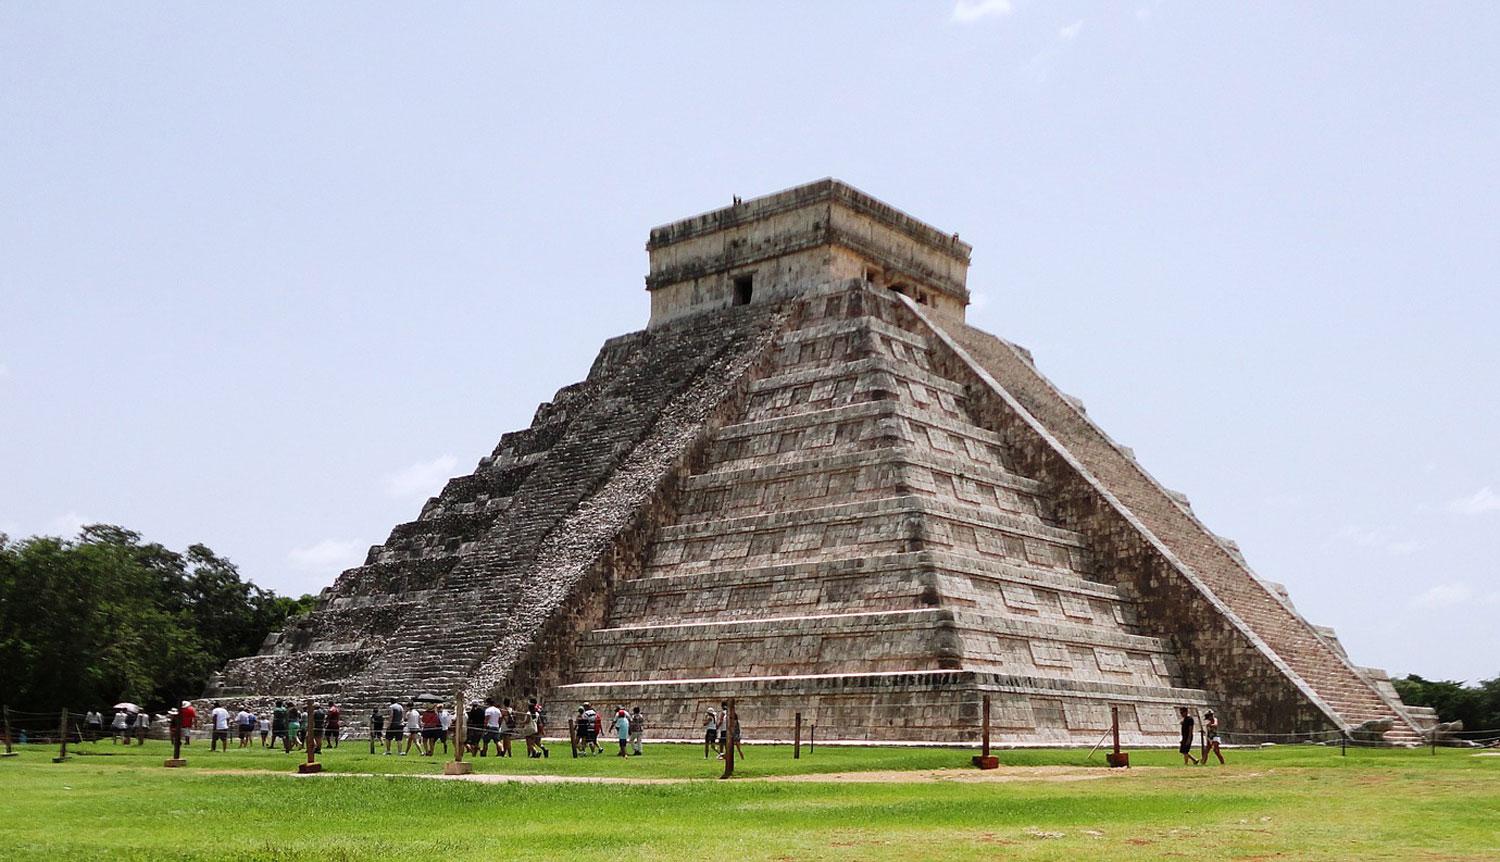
x,y
335,721
723,728
491,729
474,727
293,728
263,724
622,728
118,725
1185,745
431,729
710,732
588,728
220,718
188,716
637,731
395,720
413,730
278,726
143,727
93,724
243,722
734,735
445,723
534,706
1211,731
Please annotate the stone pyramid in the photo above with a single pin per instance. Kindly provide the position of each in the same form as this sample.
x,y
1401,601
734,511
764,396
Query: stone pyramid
x,y
808,484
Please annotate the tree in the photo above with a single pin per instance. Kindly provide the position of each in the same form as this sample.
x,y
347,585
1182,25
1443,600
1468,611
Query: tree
x,y
1478,707
107,617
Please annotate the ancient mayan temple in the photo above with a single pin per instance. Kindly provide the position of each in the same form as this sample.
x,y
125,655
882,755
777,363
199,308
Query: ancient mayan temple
x,y
808,484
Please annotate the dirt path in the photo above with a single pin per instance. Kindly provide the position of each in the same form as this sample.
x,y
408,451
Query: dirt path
x,y
925,776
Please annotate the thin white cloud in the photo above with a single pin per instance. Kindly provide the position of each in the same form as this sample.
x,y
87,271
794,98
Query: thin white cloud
x,y
4,371
422,479
969,11
1365,537
1070,32
328,557
1480,502
68,525
1443,596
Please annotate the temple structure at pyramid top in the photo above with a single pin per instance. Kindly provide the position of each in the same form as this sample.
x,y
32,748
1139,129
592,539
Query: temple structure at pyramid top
x,y
769,248
810,485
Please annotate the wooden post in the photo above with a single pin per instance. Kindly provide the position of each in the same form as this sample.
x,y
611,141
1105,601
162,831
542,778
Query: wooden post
x,y
985,760
1203,740
729,741
174,721
8,752
812,737
797,738
1116,759
457,766
1343,744
62,733
312,764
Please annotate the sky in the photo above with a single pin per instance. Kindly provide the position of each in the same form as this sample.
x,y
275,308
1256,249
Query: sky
x,y
270,275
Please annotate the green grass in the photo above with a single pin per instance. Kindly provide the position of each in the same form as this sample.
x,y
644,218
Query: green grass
x,y
1290,803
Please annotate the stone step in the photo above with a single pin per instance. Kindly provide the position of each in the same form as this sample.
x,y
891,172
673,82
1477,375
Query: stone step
x,y
892,525
916,639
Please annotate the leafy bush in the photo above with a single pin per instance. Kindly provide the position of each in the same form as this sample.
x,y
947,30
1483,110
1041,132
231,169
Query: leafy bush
x,y
106,617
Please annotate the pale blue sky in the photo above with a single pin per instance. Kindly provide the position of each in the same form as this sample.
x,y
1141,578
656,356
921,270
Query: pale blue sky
x,y
268,276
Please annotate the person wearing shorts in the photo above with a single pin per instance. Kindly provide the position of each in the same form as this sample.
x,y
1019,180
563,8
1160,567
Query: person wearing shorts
x,y
220,717
263,724
432,729
710,732
474,727
395,718
1211,729
491,728
1185,745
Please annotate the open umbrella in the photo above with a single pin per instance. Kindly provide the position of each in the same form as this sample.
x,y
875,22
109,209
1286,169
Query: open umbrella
x,y
127,706
427,698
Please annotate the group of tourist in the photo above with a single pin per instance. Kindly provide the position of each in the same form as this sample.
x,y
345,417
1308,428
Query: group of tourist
x,y
629,730
1210,737
422,728
717,732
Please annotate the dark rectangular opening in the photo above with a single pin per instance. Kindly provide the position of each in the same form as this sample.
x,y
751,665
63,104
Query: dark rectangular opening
x,y
743,288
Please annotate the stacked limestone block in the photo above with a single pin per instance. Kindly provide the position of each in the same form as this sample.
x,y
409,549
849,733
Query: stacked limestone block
x,y
502,559
855,547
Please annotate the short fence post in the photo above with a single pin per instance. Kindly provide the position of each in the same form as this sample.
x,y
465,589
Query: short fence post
x,y
573,736
729,742
457,765
812,737
312,764
797,737
985,760
62,734
1343,744
8,752
1116,759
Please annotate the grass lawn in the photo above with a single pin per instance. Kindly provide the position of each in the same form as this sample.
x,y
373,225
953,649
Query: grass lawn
x,y
1288,803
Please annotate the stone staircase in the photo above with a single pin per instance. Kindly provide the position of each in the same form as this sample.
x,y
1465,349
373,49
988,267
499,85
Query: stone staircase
x,y
1349,697
857,548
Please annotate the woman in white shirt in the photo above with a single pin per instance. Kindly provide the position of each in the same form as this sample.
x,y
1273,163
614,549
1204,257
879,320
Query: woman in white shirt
x,y
413,730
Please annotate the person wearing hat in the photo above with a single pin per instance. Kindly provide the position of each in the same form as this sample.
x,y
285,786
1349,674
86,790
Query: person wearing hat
x,y
189,717
1211,735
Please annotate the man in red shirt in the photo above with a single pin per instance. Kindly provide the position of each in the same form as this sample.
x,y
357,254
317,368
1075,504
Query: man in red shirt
x,y
189,718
